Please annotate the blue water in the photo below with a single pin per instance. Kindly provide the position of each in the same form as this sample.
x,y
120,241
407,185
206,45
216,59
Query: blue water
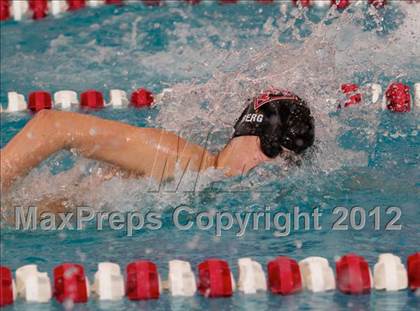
x,y
214,57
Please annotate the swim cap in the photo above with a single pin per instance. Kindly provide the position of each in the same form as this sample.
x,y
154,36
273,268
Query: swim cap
x,y
280,119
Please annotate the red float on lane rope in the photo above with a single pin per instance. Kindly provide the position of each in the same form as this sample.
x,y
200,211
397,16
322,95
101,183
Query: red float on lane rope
x,y
265,1
4,10
142,98
193,1
6,286
378,3
284,276
114,2
70,283
341,4
350,89
39,100
39,8
151,2
413,270
92,99
76,4
214,278
228,1
398,97
142,280
353,275
303,3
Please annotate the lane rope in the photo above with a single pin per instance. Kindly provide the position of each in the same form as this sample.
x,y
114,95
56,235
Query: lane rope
x,y
398,97
142,281
40,9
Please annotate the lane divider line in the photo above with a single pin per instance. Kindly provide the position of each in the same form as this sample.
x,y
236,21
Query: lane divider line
x,y
398,98
39,9
285,276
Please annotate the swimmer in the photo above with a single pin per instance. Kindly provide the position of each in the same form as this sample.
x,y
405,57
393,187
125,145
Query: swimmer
x,y
272,122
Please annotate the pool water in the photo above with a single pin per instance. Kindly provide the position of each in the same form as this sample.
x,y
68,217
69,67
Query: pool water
x,y
213,58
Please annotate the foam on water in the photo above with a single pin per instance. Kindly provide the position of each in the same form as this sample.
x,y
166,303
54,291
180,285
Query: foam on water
x,y
212,69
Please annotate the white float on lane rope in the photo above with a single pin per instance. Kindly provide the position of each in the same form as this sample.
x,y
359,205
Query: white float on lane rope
x,y
32,285
65,99
317,275
389,273
181,280
16,102
251,276
108,282
118,98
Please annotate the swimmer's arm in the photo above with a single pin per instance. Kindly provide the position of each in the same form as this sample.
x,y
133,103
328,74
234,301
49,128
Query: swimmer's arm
x,y
146,151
